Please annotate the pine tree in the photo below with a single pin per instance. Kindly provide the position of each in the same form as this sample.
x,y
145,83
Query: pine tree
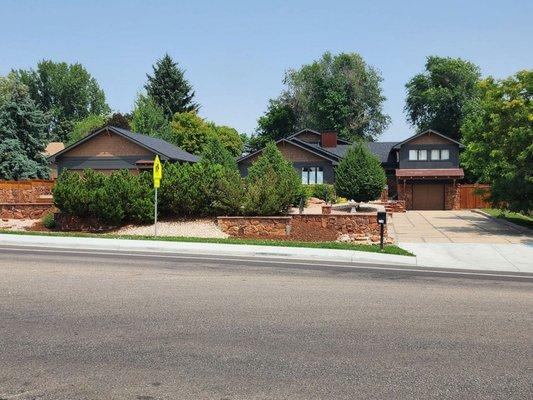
x,y
22,137
169,88
359,176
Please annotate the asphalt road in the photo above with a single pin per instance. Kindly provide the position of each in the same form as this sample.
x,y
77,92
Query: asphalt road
x,y
97,326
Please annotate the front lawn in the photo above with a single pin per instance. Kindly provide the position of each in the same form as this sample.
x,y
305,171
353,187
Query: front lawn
x,y
515,218
389,249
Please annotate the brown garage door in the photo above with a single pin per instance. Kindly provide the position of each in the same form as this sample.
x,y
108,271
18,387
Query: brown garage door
x,y
428,196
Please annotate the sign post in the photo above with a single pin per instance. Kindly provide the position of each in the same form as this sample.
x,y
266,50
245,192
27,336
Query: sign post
x,y
158,174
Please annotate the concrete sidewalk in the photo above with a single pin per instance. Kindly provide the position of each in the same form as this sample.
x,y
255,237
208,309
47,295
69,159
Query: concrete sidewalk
x,y
477,256
156,246
484,257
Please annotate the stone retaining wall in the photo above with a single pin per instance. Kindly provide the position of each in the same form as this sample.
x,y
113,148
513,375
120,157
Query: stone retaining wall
x,y
361,227
25,211
25,192
29,199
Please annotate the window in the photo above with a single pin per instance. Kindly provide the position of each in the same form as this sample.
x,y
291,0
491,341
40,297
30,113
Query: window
x,y
413,155
435,154
422,155
312,175
445,154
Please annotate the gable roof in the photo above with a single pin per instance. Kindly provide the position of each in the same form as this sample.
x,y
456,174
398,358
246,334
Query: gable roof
x,y
339,140
298,143
158,146
382,150
398,145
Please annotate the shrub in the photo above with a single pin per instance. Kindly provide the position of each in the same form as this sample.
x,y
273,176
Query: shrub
x,y
272,184
359,176
48,221
322,191
115,199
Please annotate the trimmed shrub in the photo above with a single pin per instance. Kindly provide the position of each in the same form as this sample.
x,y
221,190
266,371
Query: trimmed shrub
x,y
322,191
48,221
272,184
359,176
115,199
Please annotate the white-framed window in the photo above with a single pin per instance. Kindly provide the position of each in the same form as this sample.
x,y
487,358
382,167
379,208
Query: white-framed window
x,y
445,154
435,154
413,155
312,175
422,155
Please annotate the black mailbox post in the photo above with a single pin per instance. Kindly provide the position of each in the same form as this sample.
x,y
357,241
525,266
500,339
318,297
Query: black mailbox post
x,y
382,220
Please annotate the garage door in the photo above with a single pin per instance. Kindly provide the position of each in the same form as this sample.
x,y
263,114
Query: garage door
x,y
428,196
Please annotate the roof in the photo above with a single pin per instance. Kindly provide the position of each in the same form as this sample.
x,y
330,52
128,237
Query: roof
x,y
398,145
339,140
53,148
298,143
158,146
430,173
382,150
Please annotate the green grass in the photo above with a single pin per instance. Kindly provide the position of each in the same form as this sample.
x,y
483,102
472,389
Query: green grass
x,y
389,249
515,218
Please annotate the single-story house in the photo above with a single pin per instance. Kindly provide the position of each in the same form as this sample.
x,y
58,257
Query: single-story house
x,y
110,148
51,149
423,170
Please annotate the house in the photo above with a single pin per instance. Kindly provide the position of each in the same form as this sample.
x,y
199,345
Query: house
x,y
423,170
110,148
51,149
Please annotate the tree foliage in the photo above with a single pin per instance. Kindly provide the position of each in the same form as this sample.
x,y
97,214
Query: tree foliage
x,y
85,126
65,91
149,119
119,120
338,92
359,176
437,97
272,183
192,133
169,88
498,134
22,136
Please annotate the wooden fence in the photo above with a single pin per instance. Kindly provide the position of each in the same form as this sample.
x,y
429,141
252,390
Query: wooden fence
x,y
475,195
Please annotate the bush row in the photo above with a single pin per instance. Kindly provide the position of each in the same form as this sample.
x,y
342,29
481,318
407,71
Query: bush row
x,y
212,186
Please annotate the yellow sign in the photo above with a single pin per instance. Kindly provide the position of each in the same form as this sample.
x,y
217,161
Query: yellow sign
x,y
158,171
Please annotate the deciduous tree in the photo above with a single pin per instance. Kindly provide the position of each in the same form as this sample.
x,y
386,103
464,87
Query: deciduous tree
x,y
498,134
437,97
65,91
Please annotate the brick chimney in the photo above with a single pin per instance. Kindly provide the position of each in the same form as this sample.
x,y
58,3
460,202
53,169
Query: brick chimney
x,y
328,139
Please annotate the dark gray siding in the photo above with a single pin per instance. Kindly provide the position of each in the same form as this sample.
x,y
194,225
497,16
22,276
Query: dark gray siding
x,y
98,162
329,172
453,162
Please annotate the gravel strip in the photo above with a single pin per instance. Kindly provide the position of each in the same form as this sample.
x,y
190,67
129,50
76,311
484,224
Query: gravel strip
x,y
205,228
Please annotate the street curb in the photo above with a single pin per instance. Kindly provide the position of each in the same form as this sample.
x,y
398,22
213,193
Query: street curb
x,y
300,253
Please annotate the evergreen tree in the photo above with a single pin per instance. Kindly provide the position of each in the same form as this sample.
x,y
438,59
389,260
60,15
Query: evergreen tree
x,y
22,137
169,88
359,176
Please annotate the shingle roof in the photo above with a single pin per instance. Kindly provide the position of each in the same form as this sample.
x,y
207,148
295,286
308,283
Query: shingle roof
x,y
160,146
382,150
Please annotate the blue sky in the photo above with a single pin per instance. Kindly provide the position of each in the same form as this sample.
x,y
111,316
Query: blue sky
x,y
235,52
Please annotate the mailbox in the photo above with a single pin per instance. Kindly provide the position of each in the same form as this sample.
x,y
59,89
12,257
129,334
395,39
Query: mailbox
x,y
382,217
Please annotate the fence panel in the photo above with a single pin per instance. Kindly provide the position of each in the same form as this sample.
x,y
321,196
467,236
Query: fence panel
x,y
471,198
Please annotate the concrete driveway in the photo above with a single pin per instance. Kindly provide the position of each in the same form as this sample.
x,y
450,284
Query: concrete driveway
x,y
463,239
462,226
